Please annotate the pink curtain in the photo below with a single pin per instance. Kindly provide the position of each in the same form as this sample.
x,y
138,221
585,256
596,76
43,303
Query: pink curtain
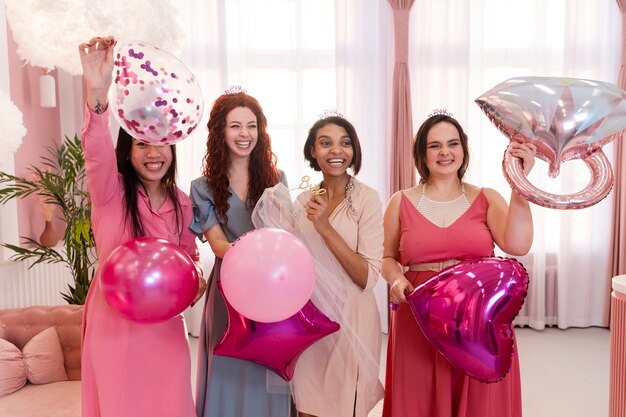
x,y
618,254
402,168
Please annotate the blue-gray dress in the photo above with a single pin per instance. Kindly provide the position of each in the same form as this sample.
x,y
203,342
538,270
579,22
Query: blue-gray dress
x,y
227,387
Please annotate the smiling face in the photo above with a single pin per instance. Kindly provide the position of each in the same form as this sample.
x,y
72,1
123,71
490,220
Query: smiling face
x,y
150,162
444,152
241,132
332,150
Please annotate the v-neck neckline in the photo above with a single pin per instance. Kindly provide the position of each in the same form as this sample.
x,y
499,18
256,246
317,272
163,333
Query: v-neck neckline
x,y
232,192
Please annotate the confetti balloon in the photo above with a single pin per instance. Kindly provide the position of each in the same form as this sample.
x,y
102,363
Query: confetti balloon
x,y
566,118
154,97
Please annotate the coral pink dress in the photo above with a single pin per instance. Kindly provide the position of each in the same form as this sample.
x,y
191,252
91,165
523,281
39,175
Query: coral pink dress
x,y
420,382
130,369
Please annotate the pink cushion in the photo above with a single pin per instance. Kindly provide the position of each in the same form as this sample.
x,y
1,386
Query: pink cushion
x,y
19,325
44,358
40,361
12,368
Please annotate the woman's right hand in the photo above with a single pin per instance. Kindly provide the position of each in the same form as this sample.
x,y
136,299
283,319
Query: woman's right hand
x,y
97,57
400,287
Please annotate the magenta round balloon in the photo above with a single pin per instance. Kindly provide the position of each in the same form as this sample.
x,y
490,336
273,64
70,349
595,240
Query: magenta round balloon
x,y
466,311
149,280
154,96
566,118
268,275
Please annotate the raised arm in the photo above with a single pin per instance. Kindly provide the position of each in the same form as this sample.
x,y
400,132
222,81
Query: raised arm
x,y
512,225
96,58
100,163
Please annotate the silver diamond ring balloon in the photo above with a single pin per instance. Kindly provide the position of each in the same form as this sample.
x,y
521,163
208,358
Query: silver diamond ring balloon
x,y
154,97
566,118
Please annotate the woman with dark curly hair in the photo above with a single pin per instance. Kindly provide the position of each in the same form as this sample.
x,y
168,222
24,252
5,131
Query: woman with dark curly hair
x,y
238,166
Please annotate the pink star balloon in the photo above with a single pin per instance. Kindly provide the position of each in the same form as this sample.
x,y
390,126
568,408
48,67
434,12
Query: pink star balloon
x,y
466,312
566,118
277,345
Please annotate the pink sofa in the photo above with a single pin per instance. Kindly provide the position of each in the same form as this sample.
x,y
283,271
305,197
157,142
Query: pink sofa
x,y
18,326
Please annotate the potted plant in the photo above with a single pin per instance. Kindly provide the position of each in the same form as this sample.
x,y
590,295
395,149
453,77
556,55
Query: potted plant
x,y
61,183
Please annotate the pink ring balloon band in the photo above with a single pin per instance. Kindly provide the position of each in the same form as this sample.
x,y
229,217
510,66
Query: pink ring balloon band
x,y
599,186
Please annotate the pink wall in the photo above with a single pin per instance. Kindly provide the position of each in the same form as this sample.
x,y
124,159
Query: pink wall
x,y
43,129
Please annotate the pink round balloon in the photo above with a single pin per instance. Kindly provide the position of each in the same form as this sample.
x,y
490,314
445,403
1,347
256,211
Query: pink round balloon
x,y
268,275
154,97
566,118
466,311
149,280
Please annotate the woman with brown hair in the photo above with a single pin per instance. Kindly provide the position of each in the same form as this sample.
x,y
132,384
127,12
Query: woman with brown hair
x,y
438,223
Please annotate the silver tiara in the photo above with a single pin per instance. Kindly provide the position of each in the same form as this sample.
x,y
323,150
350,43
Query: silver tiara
x,y
235,89
330,113
442,112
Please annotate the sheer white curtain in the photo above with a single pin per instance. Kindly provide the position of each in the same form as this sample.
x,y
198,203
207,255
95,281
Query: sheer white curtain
x,y
458,51
298,58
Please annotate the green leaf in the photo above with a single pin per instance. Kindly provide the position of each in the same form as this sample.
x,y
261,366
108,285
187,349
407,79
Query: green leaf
x,y
59,180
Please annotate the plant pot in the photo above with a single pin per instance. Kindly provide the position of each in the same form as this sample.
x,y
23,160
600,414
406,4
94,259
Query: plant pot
x,y
49,237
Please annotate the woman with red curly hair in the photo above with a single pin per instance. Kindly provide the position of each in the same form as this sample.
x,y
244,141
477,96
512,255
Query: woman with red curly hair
x,y
238,166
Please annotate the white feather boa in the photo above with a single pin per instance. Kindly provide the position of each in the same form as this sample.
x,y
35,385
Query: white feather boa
x,y
48,32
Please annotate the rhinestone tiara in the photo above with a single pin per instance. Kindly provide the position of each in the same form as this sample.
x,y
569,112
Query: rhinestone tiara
x,y
330,113
442,112
235,89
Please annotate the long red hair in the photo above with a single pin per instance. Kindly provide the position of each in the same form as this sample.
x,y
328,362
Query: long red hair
x,y
262,166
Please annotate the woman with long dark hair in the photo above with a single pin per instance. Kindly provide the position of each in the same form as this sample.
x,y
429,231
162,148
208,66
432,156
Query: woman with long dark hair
x,y
130,369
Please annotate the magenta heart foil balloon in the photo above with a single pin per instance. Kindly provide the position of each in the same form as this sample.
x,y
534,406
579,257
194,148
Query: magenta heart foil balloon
x,y
566,118
277,345
466,311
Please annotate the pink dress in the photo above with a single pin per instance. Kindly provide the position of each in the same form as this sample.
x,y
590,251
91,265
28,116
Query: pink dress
x,y
130,369
420,382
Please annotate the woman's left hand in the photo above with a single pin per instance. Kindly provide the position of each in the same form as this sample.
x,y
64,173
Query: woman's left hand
x,y
201,284
201,290
526,152
317,212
